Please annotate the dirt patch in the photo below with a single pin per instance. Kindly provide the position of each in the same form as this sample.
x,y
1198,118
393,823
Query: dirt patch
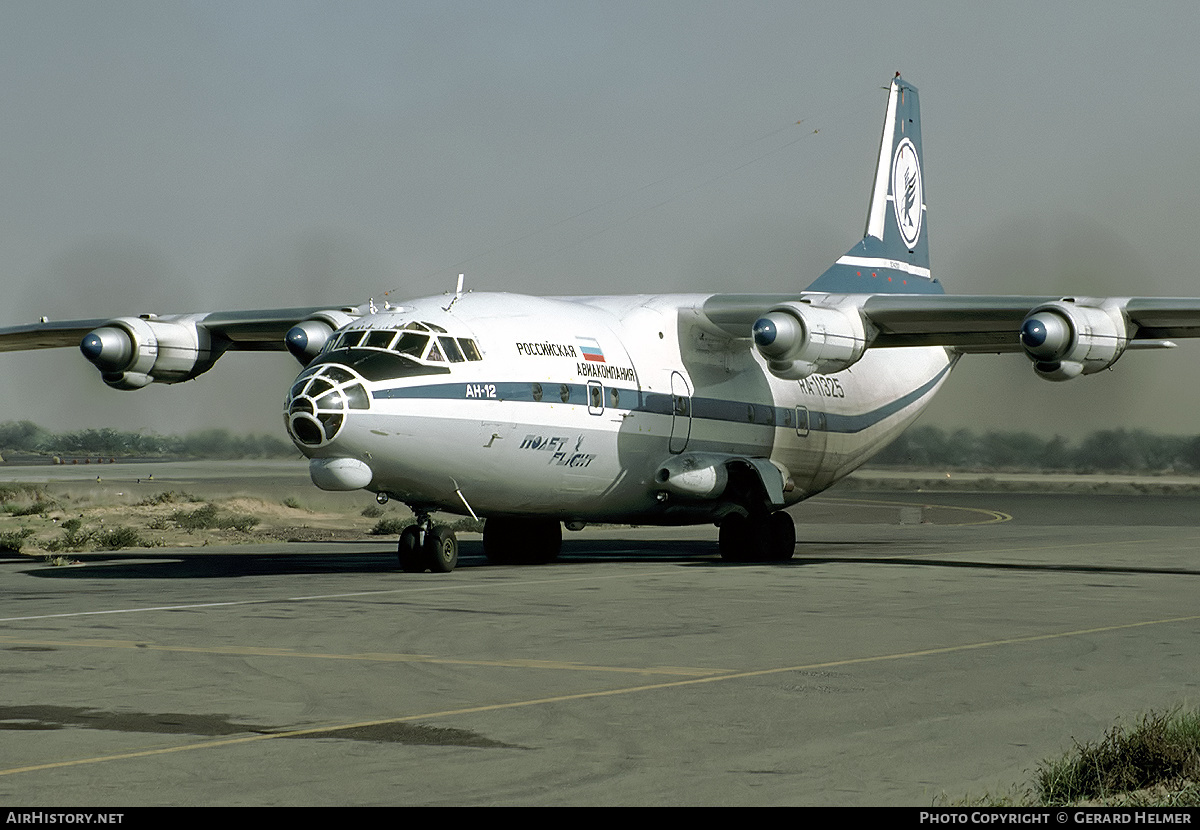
x,y
50,520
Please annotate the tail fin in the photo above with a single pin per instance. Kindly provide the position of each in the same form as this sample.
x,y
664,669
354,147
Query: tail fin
x,y
893,256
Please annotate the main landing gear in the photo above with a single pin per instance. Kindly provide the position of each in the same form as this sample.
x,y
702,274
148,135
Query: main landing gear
x,y
427,547
758,537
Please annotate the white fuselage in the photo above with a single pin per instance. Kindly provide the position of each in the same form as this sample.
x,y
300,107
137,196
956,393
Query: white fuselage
x,y
568,406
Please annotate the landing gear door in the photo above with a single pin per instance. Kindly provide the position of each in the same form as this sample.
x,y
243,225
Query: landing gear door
x,y
681,413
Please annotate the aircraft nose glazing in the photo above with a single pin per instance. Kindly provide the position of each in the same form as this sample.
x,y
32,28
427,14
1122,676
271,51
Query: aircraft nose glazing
x,y
317,404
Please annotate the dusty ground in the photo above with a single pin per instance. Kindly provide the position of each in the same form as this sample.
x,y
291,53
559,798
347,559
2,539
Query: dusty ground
x,y
50,519
270,502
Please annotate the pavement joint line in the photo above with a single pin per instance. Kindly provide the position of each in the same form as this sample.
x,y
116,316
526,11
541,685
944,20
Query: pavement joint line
x,y
672,684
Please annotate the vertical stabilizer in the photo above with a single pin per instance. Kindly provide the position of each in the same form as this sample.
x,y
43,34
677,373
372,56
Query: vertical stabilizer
x,y
893,256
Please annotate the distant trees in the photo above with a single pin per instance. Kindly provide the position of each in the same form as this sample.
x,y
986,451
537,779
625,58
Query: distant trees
x,y
25,436
921,447
1105,451
21,435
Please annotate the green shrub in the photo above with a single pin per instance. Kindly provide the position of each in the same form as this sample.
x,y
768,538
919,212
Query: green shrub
x,y
38,507
1159,748
201,518
12,541
166,497
120,537
390,526
74,537
239,521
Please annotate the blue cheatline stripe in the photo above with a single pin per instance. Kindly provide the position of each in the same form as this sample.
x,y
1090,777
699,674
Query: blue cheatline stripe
x,y
659,403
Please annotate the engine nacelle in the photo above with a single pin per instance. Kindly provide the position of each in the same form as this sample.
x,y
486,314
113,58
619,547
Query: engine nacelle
x,y
1065,340
799,339
306,339
132,352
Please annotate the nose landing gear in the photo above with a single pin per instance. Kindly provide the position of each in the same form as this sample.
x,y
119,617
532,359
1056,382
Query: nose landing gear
x,y
427,547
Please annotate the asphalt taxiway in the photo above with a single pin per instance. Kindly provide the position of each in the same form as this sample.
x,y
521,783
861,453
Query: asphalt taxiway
x,y
917,645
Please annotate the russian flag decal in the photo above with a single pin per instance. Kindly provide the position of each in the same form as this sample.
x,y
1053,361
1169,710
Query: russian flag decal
x,y
591,349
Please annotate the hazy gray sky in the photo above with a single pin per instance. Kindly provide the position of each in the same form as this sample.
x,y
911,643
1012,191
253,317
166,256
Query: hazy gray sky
x,y
179,156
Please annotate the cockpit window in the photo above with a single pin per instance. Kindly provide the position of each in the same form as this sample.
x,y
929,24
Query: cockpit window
x,y
411,344
375,365
337,374
379,339
349,340
469,348
451,349
357,396
412,340
330,400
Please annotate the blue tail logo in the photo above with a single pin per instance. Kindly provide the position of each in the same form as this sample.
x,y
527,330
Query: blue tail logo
x,y
908,194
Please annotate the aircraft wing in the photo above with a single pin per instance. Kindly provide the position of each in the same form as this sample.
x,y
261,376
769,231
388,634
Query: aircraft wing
x,y
46,335
131,352
1064,336
262,330
968,323
994,324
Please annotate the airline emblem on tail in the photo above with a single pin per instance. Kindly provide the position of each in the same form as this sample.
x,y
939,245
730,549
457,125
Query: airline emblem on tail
x,y
907,193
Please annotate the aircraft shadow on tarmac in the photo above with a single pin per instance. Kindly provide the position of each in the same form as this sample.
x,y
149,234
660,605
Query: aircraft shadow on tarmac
x,y
196,563
49,717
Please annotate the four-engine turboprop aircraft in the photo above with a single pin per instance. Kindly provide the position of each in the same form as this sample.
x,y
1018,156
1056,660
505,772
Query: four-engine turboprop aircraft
x,y
656,409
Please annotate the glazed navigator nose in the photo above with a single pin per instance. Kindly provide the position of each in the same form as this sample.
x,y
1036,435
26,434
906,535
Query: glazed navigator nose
x,y
317,404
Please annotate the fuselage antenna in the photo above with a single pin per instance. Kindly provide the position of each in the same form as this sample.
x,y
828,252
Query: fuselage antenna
x,y
457,292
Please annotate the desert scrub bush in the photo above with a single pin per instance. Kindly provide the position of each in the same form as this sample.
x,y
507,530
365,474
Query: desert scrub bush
x,y
34,509
1155,762
13,540
243,522
201,518
292,502
74,538
393,525
121,537
390,526
15,491
207,517
1157,749
167,497
26,499
372,511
